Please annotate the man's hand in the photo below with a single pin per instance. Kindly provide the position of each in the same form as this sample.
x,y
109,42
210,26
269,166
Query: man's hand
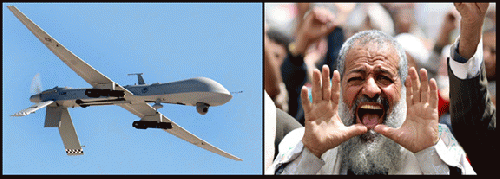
x,y
470,26
317,24
420,129
472,12
323,127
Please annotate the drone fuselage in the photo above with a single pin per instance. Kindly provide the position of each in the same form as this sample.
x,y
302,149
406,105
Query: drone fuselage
x,y
186,92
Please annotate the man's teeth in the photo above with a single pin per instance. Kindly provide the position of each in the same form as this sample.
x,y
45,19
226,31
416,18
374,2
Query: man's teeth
x,y
367,106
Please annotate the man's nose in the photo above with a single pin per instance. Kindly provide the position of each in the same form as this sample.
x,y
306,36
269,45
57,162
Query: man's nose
x,y
370,88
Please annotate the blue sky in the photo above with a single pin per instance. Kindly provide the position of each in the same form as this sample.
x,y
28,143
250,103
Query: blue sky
x,y
166,42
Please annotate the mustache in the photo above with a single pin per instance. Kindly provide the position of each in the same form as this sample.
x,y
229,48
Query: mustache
x,y
377,99
348,115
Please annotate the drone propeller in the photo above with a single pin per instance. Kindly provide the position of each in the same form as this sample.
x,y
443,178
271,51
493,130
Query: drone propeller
x,y
36,84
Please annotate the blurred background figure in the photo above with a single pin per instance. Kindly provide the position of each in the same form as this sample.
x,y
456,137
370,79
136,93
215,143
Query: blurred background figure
x,y
489,42
276,43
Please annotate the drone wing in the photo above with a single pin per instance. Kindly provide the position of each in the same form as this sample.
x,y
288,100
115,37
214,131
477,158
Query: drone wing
x,y
144,109
84,70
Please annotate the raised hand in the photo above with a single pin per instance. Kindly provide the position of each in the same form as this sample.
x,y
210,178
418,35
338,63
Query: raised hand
x,y
472,12
323,127
420,129
318,23
470,26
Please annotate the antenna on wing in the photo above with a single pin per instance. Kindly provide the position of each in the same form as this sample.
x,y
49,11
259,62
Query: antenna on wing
x,y
236,92
140,80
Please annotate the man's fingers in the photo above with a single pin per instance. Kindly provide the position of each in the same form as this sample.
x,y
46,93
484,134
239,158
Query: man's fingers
x,y
356,129
459,6
329,28
326,82
433,94
323,19
387,131
323,15
304,94
471,7
483,6
335,88
415,85
409,91
424,88
316,86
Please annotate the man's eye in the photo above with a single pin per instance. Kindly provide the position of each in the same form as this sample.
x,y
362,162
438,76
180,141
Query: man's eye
x,y
354,79
385,79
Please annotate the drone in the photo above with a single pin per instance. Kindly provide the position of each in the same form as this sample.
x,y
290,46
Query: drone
x,y
200,92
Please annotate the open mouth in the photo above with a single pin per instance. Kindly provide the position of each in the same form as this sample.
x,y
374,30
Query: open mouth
x,y
370,114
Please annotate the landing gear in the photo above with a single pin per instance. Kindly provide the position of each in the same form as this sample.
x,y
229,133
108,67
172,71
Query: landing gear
x,y
151,124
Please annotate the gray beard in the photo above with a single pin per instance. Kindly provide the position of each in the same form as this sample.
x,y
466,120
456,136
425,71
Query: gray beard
x,y
372,153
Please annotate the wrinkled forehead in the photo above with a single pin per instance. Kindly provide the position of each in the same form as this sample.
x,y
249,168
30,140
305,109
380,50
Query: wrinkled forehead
x,y
371,53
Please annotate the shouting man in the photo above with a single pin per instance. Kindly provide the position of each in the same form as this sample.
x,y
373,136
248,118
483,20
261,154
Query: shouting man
x,y
376,117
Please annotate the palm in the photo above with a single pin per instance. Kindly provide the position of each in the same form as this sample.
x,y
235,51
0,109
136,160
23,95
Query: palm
x,y
323,128
323,124
420,129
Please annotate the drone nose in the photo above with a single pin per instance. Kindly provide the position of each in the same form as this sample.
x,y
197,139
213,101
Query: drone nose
x,y
35,98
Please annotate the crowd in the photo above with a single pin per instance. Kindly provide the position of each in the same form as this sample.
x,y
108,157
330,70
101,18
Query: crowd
x,y
301,38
